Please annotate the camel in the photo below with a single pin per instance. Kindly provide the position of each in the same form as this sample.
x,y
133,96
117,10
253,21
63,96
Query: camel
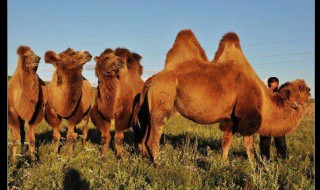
x,y
218,92
70,95
27,96
119,84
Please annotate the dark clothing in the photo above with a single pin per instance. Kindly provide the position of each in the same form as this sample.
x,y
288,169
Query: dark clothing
x,y
280,143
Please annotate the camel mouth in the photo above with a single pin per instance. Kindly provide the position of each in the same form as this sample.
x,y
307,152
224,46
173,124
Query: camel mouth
x,y
87,56
33,64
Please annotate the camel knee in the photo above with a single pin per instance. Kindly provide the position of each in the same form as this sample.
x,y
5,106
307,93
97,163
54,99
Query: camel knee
x,y
105,139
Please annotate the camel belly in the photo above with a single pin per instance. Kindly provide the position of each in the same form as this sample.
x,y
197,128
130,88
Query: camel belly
x,y
204,103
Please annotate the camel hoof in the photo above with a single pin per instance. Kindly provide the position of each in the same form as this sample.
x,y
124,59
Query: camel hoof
x,y
118,157
156,164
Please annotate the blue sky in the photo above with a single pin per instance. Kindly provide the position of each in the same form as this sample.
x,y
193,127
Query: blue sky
x,y
277,37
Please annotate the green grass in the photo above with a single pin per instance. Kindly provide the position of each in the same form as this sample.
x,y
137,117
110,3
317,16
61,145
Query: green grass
x,y
190,158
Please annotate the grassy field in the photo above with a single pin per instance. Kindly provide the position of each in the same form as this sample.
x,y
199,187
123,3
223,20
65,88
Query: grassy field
x,y
190,157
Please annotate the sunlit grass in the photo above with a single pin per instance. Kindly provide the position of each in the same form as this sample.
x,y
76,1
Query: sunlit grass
x,y
190,159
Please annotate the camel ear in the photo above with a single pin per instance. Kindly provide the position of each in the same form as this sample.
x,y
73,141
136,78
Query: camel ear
x,y
96,59
22,50
51,57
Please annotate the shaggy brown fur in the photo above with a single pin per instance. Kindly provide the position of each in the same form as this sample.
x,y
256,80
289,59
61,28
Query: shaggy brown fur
x,y
132,60
27,95
213,93
70,94
118,87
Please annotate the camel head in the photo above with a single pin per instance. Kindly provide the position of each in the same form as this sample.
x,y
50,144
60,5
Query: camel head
x,y
296,92
29,60
68,59
108,64
131,59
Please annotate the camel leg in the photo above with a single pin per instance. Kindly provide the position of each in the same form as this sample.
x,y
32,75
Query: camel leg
x,y
104,127
119,142
15,124
85,130
105,138
153,143
32,140
144,144
249,146
56,138
70,138
16,140
54,121
226,143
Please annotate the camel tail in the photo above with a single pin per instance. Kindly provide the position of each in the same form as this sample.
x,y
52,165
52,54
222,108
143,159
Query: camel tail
x,y
142,104
141,114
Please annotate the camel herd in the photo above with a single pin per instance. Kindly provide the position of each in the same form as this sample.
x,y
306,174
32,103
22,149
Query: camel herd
x,y
225,90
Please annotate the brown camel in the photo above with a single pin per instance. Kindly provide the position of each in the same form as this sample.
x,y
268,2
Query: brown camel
x,y
70,94
218,92
119,84
27,95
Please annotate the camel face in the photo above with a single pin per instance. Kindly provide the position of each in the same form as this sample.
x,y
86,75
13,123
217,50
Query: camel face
x,y
68,59
108,64
296,91
29,59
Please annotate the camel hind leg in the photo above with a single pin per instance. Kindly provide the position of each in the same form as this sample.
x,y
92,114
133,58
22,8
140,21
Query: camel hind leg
x,y
161,101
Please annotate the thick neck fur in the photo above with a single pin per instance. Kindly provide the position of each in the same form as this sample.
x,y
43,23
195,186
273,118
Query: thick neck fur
x,y
107,90
29,92
67,90
278,116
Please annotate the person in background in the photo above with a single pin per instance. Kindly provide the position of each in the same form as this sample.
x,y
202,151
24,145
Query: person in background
x,y
265,141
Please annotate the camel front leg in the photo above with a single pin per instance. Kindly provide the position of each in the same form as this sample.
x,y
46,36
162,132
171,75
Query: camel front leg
x,y
71,136
249,146
119,142
226,143
85,131
32,140
16,140
105,138
56,138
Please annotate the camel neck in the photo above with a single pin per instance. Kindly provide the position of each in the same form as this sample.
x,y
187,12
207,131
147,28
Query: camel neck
x,y
29,81
280,116
107,90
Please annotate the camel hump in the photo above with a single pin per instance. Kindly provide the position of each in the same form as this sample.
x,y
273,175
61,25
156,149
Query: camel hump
x,y
186,34
185,48
87,94
229,49
231,37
